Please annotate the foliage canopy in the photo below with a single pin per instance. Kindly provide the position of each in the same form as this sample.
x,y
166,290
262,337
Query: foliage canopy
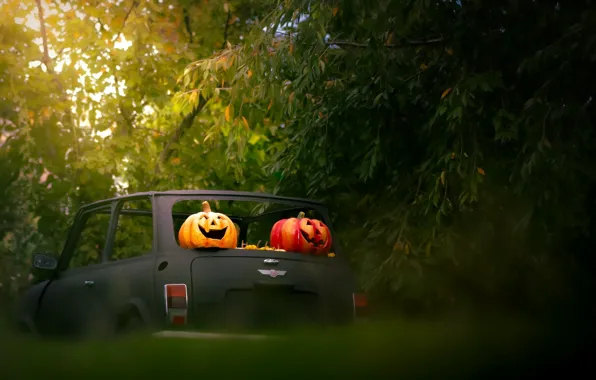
x,y
453,139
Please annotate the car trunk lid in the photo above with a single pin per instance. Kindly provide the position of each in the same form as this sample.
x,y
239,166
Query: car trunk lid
x,y
243,289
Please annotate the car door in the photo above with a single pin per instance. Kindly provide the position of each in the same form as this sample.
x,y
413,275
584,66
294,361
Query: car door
x,y
130,264
70,301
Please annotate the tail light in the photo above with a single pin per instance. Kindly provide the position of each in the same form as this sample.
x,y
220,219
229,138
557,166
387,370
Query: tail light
x,y
360,304
176,300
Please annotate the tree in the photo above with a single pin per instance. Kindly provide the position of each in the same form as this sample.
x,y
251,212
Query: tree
x,y
87,110
452,138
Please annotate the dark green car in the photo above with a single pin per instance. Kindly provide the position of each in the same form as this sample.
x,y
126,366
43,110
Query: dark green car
x,y
122,268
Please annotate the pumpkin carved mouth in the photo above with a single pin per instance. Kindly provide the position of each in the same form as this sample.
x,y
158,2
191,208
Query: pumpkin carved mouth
x,y
214,234
315,240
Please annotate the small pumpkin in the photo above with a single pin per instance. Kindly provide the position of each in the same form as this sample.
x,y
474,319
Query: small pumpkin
x,y
208,229
301,235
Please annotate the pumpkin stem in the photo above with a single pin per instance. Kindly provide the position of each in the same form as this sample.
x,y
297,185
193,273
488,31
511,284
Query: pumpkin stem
x,y
206,207
301,215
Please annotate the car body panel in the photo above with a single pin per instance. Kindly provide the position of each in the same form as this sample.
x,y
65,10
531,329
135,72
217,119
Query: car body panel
x,y
68,303
241,284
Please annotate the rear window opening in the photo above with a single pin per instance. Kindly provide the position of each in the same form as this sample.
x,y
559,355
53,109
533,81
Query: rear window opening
x,y
254,223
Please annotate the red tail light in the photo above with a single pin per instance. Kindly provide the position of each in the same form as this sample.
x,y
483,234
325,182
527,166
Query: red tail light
x,y
176,300
360,300
360,304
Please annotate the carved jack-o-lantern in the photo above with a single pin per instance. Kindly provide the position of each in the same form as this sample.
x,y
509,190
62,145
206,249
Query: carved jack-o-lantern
x,y
302,235
207,229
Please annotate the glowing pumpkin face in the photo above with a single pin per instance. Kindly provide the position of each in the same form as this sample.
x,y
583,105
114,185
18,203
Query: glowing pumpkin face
x,y
207,229
302,235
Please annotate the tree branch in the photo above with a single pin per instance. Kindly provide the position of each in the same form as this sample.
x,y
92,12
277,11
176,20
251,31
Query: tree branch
x,y
44,37
47,61
185,124
223,46
151,130
417,42
399,44
127,118
187,24
125,115
133,6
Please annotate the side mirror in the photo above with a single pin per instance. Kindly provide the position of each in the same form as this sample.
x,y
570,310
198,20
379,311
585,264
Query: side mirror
x,y
45,262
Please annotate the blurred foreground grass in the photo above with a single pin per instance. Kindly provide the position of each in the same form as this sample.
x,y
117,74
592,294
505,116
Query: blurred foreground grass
x,y
495,348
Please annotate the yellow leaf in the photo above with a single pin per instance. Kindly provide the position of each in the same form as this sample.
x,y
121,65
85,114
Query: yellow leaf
x,y
407,249
221,61
270,104
445,93
8,237
193,97
443,177
335,10
228,112
481,171
245,122
452,156
249,73
423,66
175,161
389,39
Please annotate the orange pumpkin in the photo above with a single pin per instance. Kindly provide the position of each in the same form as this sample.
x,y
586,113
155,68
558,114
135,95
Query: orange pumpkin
x,y
301,235
207,229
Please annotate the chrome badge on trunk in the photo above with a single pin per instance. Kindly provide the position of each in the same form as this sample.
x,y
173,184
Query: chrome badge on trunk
x,y
272,272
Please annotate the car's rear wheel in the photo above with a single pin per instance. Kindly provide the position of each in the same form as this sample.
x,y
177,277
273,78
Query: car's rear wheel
x,y
130,323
